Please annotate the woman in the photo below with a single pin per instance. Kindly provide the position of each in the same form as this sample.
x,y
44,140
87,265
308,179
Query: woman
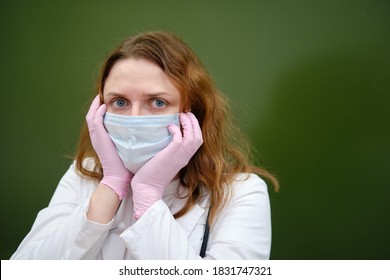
x,y
158,161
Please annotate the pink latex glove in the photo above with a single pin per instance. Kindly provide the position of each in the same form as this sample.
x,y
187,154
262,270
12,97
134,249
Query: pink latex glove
x,y
115,174
151,179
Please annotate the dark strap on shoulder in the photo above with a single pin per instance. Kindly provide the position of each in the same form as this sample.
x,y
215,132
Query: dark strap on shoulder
x,y
205,237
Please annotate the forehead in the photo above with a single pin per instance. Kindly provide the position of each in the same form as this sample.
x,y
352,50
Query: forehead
x,y
135,67
139,77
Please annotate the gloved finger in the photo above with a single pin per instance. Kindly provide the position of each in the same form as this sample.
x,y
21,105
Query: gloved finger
x,y
92,110
176,133
99,115
187,128
196,129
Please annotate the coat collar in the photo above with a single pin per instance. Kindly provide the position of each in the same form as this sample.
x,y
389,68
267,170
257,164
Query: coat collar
x,y
191,219
196,215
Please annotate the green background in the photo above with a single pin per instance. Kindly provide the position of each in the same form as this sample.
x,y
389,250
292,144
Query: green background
x,y
309,81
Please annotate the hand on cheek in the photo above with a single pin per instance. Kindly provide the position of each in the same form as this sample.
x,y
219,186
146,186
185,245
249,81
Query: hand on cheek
x,y
150,181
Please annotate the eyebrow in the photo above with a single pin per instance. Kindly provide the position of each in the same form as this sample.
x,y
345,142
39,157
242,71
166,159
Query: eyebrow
x,y
156,94
150,94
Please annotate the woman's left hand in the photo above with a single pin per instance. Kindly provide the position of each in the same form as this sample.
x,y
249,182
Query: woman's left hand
x,y
151,179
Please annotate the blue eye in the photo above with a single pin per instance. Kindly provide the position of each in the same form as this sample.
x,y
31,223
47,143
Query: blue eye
x,y
159,103
120,103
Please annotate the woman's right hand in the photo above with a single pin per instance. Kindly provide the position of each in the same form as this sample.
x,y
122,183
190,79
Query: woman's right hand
x,y
115,174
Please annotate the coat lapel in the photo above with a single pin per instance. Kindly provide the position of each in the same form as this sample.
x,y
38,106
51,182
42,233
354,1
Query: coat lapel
x,y
191,219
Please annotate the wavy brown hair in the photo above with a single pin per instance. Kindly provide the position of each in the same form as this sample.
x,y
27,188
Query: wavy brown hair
x,y
225,150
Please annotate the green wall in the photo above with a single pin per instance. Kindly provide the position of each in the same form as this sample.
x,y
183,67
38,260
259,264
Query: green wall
x,y
309,81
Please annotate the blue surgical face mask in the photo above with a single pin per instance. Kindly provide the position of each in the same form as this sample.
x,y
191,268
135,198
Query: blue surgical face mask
x,y
139,138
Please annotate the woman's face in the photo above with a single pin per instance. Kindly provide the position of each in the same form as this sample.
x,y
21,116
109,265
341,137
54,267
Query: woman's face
x,y
137,87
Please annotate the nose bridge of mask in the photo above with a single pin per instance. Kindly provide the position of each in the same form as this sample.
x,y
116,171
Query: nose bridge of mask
x,y
141,121
139,129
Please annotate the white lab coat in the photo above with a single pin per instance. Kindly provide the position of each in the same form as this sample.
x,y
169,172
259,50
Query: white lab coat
x,y
242,230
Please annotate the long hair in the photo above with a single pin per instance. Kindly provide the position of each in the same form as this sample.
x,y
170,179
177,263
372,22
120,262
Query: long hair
x,y
225,150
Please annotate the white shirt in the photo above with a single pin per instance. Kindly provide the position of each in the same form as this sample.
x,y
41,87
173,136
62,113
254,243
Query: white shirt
x,y
242,229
